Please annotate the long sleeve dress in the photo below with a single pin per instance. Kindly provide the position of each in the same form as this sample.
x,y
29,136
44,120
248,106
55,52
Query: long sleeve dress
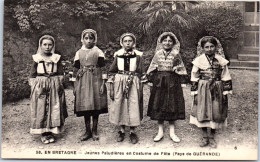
x,y
211,82
48,106
127,106
167,73
87,70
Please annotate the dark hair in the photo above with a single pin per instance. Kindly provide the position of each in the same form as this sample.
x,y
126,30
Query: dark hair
x,y
165,36
210,40
91,35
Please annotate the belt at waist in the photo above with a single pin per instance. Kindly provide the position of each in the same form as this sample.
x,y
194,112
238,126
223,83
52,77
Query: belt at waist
x,y
165,71
210,78
89,67
47,75
127,72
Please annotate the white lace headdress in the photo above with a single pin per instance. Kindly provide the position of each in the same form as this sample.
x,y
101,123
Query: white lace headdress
x,y
219,49
89,31
128,34
39,50
176,47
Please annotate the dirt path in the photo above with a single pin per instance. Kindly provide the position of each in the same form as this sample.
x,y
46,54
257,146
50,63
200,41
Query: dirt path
x,y
241,132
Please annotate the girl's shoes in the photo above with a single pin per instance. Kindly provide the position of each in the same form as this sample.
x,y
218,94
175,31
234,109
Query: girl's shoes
x,y
175,138
86,136
158,138
51,138
133,138
212,143
95,137
204,142
121,136
44,140
47,138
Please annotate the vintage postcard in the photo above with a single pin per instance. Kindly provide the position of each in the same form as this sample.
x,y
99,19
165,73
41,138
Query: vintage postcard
x,y
130,80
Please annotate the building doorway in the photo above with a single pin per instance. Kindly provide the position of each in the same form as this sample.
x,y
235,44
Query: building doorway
x,y
251,24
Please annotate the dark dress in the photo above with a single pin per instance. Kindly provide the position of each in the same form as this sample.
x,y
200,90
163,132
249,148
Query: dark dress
x,y
167,73
88,100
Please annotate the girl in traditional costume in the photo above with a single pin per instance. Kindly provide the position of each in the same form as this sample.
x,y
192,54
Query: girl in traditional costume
x,y
167,73
48,107
211,82
89,86
126,88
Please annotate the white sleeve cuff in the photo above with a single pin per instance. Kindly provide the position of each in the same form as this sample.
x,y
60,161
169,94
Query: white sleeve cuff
x,y
194,93
227,92
183,85
73,79
104,76
31,81
110,80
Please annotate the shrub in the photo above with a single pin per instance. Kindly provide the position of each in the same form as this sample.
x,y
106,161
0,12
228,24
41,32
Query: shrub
x,y
222,22
225,23
15,84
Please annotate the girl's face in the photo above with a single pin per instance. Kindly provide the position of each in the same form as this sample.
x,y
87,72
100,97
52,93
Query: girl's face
x,y
167,43
46,45
88,41
128,43
209,48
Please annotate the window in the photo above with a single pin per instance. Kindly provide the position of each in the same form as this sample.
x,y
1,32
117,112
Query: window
x,y
250,7
251,16
257,6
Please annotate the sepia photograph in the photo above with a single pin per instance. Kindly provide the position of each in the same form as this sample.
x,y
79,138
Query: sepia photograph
x,y
130,80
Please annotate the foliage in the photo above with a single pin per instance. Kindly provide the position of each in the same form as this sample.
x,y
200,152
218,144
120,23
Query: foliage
x,y
26,20
15,84
188,55
225,23
35,14
155,17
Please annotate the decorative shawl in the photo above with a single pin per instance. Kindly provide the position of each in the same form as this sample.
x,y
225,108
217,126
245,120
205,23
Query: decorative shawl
x,y
203,63
178,65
